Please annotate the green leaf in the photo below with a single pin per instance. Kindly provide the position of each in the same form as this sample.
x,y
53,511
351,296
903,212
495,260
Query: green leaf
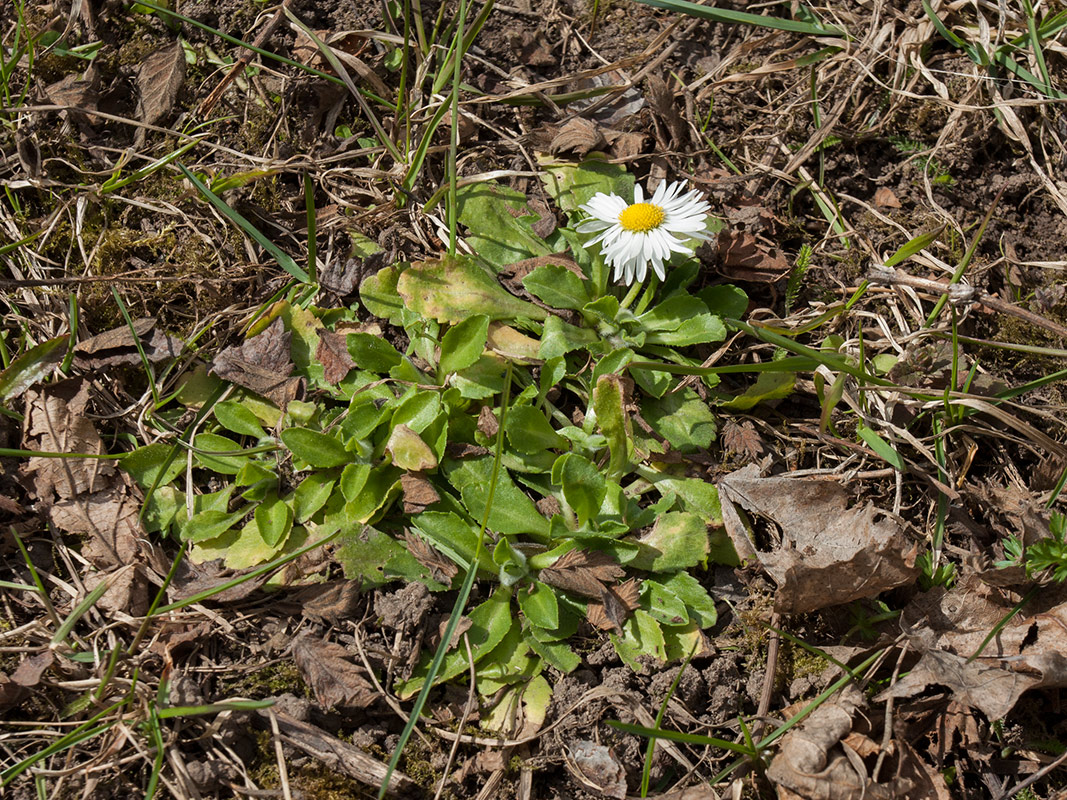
x,y
696,598
374,558
317,449
213,443
353,479
768,386
512,512
529,431
699,496
452,536
681,320
609,403
162,508
884,449
560,338
583,484
641,636
573,185
664,605
455,287
538,602
312,494
417,409
409,451
490,623
557,286
274,519
558,654
252,473
482,380
381,488
678,540
499,224
233,416
372,353
683,419
725,300
378,293
33,366
463,344
209,524
144,465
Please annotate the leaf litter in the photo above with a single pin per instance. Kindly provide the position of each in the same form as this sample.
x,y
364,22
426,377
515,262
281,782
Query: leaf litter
x,y
841,564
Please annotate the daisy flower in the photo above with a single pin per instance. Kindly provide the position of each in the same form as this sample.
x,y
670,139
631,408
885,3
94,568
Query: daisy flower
x,y
633,236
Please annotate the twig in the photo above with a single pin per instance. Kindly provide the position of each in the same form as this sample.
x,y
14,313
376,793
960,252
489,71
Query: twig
x,y
1041,773
961,293
242,62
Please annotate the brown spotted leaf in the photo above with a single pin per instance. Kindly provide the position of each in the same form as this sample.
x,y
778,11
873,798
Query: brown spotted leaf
x,y
262,364
583,572
333,354
441,568
334,679
418,493
742,257
158,80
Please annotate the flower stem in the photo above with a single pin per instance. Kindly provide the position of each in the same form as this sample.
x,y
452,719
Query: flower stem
x,y
646,298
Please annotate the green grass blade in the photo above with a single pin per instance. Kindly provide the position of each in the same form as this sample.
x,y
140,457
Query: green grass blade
x,y
285,261
743,18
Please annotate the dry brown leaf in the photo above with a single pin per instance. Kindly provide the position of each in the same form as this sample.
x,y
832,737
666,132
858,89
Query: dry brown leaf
x,y
885,198
615,606
117,346
333,601
579,136
334,679
333,354
488,424
158,80
127,592
666,108
822,758
55,422
10,692
1027,653
79,93
441,568
110,519
29,671
829,554
418,493
584,572
743,258
742,438
262,364
597,768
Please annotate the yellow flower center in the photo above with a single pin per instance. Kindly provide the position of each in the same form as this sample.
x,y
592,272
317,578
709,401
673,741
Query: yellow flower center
x,y
641,217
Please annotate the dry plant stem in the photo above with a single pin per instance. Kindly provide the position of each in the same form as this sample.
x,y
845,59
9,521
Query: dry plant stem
x,y
773,646
1030,781
887,732
963,294
283,772
242,62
